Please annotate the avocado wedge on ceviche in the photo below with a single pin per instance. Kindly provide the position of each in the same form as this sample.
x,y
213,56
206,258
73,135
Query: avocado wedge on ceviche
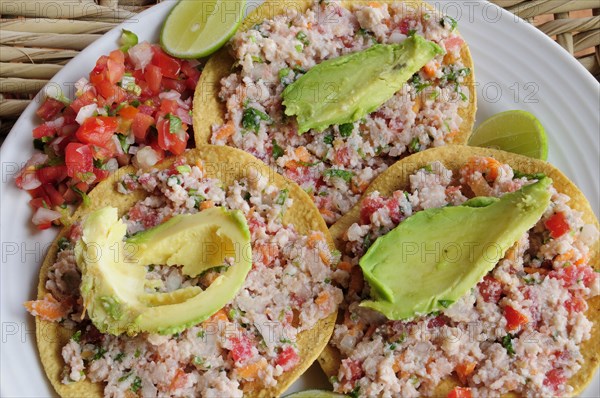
x,y
330,93
207,275
469,272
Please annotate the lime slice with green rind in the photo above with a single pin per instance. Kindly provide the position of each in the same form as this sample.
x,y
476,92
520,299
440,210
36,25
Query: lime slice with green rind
x,y
513,131
198,28
314,394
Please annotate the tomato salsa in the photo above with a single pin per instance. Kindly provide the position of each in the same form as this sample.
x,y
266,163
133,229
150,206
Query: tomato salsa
x,y
134,108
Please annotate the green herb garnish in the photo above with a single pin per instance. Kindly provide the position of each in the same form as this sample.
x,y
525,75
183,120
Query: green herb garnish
x,y
277,150
346,129
339,173
251,119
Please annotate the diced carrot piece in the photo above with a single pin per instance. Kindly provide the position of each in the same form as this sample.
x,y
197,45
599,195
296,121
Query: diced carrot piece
x,y
532,270
565,256
324,257
179,380
345,266
314,238
418,104
267,253
225,131
220,315
251,371
430,69
302,154
322,299
207,204
464,370
374,4
309,25
48,308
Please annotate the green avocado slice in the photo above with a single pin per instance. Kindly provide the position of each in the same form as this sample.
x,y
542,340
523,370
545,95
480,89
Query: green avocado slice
x,y
114,284
436,256
345,89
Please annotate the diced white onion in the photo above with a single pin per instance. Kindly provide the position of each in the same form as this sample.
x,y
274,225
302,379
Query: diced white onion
x,y
146,157
117,144
112,164
86,112
141,54
30,181
44,216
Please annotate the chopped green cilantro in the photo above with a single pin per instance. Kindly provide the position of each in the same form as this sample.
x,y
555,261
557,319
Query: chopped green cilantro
x,y
346,129
174,123
251,119
76,336
277,150
339,173
445,303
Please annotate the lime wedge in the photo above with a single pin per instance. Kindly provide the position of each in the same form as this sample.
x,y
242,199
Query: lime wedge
x,y
314,394
518,132
197,28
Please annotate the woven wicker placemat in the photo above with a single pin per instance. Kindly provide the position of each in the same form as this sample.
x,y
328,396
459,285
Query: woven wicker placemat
x,y
37,37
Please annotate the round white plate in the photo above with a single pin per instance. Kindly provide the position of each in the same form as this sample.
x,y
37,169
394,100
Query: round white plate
x,y
517,67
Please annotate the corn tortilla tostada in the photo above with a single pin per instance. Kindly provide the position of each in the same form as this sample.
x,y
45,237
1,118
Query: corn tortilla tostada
x,y
539,306
288,288
238,101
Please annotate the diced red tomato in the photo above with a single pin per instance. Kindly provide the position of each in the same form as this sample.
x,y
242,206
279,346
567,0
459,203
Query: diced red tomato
x,y
117,56
571,275
369,206
453,42
128,112
44,130
355,367
437,322
141,125
153,77
190,71
97,130
288,358
100,174
78,158
168,106
555,379
56,199
52,174
115,71
576,304
241,348
87,98
49,109
170,141
490,289
460,392
557,225
40,201
514,318
174,84
404,26
169,66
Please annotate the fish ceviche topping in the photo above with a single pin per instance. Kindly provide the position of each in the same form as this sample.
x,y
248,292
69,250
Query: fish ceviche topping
x,y
336,165
253,338
520,329
134,107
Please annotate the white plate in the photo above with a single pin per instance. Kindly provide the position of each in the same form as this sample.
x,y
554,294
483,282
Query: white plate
x,y
517,67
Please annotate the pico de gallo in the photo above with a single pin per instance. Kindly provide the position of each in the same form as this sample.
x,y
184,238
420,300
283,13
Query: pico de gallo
x,y
133,108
